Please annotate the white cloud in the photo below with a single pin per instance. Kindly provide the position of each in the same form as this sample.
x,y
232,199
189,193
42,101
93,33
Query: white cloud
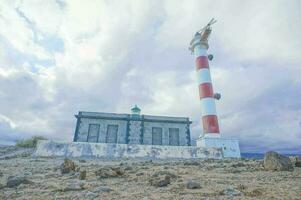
x,y
118,53
18,32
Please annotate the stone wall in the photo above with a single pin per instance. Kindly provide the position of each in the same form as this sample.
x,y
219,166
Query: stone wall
x,y
135,132
230,147
147,134
132,131
101,150
84,128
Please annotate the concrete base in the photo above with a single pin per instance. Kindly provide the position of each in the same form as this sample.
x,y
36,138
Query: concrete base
x,y
229,147
104,150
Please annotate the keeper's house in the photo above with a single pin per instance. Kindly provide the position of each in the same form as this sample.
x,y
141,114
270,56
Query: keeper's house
x,y
132,129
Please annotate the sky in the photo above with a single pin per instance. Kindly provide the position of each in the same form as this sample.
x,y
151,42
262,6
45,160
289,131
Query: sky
x,y
59,57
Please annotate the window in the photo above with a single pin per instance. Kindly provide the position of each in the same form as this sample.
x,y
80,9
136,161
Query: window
x,y
174,136
111,136
93,133
157,136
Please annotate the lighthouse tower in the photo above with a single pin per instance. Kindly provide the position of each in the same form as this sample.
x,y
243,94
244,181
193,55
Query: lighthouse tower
x,y
211,136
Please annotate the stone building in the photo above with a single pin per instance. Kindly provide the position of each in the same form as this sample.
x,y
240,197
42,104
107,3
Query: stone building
x,y
132,128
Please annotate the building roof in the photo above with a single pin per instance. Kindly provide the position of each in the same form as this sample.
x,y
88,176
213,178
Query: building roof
x,y
147,118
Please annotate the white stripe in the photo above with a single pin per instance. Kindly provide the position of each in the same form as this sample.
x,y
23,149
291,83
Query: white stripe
x,y
208,106
198,51
212,135
195,41
203,76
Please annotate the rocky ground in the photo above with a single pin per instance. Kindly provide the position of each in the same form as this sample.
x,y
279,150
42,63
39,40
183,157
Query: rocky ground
x,y
23,176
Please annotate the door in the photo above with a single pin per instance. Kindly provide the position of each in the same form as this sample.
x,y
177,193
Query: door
x,y
157,136
93,133
174,136
112,134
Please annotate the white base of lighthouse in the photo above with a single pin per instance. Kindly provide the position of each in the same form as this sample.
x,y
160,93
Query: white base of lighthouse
x,y
230,147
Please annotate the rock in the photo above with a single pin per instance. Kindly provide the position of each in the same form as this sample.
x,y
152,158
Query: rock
x,y
27,174
14,181
144,167
293,159
75,186
77,169
140,174
277,162
180,180
234,171
161,178
230,191
254,192
191,163
161,181
82,175
102,189
105,173
118,170
91,195
128,168
108,172
166,173
67,166
239,164
192,185
298,161
241,187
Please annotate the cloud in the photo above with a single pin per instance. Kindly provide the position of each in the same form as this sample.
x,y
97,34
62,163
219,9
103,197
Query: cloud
x,y
109,55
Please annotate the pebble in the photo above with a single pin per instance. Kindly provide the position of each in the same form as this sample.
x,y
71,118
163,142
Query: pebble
x,y
140,174
230,191
192,185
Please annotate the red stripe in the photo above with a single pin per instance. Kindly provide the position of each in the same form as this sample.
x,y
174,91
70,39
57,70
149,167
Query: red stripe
x,y
210,124
205,90
201,62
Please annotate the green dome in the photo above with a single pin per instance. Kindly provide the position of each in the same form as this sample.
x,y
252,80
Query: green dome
x,y
135,110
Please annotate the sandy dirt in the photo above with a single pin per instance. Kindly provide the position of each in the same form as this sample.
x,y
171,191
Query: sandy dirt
x,y
41,178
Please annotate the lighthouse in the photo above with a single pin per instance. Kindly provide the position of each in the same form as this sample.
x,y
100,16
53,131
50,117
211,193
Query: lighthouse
x,y
210,137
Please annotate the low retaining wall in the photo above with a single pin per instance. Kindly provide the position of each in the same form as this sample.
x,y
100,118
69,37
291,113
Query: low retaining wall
x,y
104,150
229,146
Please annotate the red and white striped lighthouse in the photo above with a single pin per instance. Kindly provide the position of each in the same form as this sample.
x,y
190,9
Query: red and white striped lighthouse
x,y
211,137
199,46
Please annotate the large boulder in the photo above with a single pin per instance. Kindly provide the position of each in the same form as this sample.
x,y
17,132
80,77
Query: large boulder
x,y
298,161
276,162
109,172
160,181
67,166
14,181
82,175
161,178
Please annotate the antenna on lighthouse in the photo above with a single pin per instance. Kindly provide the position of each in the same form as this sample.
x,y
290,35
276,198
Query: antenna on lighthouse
x,y
201,36
212,21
